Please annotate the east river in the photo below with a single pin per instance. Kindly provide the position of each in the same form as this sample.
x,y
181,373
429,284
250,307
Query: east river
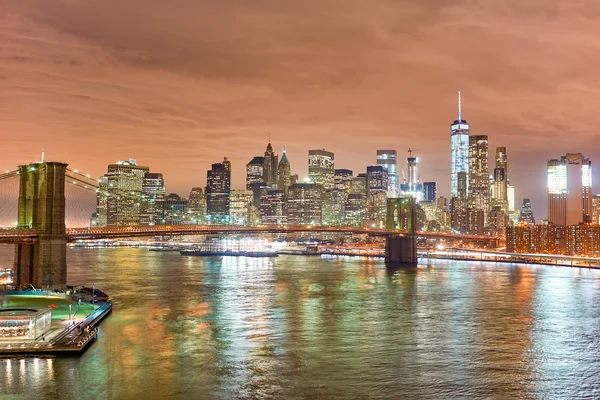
x,y
323,328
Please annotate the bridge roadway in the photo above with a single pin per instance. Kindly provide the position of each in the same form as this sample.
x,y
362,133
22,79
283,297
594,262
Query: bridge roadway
x,y
74,234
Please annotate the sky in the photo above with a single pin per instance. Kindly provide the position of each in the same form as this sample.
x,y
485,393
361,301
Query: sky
x,y
180,84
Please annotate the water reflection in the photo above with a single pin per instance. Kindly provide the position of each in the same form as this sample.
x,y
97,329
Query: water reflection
x,y
326,328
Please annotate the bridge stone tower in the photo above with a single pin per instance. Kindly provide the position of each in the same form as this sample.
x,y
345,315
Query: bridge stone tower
x,y
42,208
401,214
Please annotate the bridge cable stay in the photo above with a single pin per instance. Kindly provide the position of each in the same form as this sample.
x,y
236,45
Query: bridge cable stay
x,y
80,199
9,199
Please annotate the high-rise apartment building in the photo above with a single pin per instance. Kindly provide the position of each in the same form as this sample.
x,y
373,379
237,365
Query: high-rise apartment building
x,y
459,149
284,174
569,190
218,188
321,169
479,176
596,209
388,160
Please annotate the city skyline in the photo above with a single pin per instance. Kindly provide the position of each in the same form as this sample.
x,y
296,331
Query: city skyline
x,y
181,110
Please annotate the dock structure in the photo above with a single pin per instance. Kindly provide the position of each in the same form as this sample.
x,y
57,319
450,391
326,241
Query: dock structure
x,y
71,340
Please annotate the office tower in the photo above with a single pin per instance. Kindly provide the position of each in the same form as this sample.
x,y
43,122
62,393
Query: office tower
x,y
411,186
99,218
122,194
284,174
255,173
500,186
321,168
429,191
388,160
153,193
343,179
272,207
458,206
304,205
459,149
479,176
240,207
197,206
510,191
356,202
218,188
334,207
271,167
294,179
175,209
377,189
526,215
569,190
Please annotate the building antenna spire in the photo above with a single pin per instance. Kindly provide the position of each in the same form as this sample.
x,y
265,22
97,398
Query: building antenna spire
x,y
459,107
42,155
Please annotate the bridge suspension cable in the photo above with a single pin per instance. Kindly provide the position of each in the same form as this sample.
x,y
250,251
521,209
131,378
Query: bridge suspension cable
x,y
9,174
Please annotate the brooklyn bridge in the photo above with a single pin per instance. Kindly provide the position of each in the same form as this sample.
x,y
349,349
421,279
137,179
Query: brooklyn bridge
x,y
40,236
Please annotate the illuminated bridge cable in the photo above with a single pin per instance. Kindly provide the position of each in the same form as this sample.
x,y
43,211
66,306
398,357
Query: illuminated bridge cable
x,y
9,198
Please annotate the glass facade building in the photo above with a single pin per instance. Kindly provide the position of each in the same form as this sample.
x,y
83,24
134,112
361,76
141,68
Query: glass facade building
x,y
459,149
388,159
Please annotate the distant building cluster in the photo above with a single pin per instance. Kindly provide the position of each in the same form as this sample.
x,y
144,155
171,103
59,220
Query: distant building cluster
x,y
481,202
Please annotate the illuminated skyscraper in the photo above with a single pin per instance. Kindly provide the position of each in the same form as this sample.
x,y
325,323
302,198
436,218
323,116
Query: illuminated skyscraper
x,y
388,160
526,212
197,205
569,190
218,188
121,192
304,205
284,179
321,168
429,191
479,176
501,180
152,204
411,186
271,167
459,149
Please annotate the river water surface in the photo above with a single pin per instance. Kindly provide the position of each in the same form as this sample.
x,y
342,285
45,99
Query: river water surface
x,y
321,328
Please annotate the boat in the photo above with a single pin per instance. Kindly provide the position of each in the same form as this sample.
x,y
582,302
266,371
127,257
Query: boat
x,y
232,253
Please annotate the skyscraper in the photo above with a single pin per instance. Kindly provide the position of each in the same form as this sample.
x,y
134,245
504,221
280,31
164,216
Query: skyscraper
x,y
197,205
429,191
321,168
501,180
271,167
479,176
411,186
388,160
526,212
284,179
152,204
569,190
122,194
304,205
218,188
459,149
255,172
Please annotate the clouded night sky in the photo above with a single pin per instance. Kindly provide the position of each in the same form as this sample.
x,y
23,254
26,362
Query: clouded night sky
x,y
179,84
